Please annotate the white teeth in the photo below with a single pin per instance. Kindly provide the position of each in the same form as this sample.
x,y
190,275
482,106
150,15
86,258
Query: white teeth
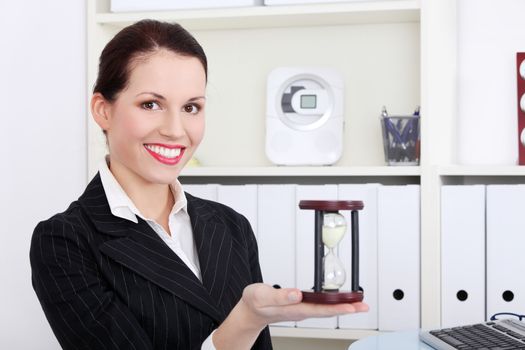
x,y
165,152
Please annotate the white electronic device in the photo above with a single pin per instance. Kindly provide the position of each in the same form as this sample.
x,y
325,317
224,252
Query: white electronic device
x,y
304,116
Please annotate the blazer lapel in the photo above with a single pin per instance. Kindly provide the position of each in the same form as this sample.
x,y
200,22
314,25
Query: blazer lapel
x,y
214,246
146,254
140,249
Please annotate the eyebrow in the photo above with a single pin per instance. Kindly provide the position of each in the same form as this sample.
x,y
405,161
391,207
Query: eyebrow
x,y
197,98
160,97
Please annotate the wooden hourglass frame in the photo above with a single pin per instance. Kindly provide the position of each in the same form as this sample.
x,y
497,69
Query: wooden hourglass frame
x,y
333,296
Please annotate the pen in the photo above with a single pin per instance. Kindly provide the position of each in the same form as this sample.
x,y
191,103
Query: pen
x,y
384,112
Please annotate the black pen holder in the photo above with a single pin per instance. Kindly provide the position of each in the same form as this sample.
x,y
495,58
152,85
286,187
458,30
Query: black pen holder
x,y
401,139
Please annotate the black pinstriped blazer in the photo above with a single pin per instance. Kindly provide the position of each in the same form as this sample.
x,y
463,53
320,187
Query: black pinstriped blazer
x,y
108,283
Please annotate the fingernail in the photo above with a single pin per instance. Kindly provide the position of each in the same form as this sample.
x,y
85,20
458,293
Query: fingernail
x,y
293,296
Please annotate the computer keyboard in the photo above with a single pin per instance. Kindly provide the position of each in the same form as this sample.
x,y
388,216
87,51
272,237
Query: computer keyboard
x,y
508,334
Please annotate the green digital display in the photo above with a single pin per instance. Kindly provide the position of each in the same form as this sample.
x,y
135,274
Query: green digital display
x,y
308,101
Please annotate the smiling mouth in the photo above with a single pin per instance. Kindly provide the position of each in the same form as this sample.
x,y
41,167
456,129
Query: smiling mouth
x,y
169,155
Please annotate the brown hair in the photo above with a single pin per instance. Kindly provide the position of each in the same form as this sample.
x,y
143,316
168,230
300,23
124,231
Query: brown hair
x,y
138,40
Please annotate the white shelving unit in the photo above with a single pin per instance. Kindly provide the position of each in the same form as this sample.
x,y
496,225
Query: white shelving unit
x,y
481,174
310,333
480,170
281,171
274,16
398,53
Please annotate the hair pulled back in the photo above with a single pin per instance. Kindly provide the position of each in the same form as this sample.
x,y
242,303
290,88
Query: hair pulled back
x,y
139,40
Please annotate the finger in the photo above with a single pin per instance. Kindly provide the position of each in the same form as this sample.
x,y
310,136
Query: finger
x,y
360,307
348,307
329,310
309,310
263,295
284,296
356,307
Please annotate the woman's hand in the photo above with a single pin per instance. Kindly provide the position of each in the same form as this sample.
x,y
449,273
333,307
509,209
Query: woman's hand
x,y
261,305
268,305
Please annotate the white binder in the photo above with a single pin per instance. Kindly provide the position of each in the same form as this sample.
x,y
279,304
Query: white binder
x,y
204,191
276,236
398,257
305,229
241,198
462,255
367,253
505,246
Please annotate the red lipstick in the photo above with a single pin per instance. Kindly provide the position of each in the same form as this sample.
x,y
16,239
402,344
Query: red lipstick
x,y
163,159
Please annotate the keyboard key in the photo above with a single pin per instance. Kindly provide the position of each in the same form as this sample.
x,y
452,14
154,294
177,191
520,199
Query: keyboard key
x,y
450,340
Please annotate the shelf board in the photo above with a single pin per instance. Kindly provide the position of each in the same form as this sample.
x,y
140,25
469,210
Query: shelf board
x,y
292,332
482,170
302,171
277,16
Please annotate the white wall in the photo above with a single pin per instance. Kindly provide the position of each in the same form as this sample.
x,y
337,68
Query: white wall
x,y
490,32
42,146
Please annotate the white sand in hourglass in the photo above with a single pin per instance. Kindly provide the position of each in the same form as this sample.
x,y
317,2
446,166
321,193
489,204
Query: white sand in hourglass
x,y
332,235
334,273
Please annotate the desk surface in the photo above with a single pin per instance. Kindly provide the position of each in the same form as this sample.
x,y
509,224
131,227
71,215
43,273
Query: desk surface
x,y
407,340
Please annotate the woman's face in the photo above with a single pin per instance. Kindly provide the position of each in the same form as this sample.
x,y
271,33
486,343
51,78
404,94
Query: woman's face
x,y
156,123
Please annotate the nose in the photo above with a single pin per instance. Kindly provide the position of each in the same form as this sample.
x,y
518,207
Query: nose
x,y
172,125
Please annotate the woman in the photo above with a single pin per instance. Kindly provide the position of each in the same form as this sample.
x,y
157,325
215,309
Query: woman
x,y
135,263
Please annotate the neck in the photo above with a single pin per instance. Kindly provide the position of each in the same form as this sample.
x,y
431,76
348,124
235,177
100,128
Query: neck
x,y
154,201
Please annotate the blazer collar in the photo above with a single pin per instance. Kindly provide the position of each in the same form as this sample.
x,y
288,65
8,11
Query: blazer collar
x,y
139,248
96,207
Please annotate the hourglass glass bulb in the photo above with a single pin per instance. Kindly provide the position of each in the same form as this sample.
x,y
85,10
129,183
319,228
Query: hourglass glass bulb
x,y
334,272
334,228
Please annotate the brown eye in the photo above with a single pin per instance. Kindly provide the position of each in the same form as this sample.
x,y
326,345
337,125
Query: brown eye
x,y
191,109
150,105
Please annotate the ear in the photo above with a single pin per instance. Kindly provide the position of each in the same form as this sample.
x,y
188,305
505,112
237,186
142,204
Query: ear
x,y
100,110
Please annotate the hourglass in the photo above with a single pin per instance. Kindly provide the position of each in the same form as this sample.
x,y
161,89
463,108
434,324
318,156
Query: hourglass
x,y
329,272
